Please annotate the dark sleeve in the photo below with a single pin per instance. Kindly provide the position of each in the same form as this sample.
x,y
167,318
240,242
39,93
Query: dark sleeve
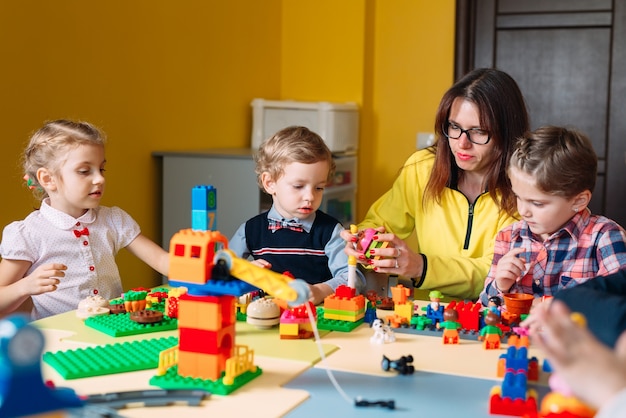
x,y
603,302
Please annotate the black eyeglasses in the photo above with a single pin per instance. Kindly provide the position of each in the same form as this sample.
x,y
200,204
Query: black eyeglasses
x,y
475,135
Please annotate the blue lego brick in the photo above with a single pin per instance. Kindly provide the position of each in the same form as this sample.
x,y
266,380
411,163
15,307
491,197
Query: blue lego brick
x,y
516,358
515,386
203,198
204,208
109,359
546,367
200,220
215,287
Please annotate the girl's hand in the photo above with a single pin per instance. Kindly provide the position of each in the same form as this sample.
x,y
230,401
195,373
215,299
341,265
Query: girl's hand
x,y
44,279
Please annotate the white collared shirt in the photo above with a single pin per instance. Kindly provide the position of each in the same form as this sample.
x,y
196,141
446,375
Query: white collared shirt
x,y
47,236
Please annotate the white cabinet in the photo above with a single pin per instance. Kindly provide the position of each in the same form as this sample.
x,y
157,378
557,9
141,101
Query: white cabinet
x,y
239,198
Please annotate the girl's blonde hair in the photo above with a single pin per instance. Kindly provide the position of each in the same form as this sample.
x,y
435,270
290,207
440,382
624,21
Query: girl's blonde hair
x,y
294,144
49,146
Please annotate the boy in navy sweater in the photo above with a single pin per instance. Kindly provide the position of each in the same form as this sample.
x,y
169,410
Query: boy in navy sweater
x,y
294,166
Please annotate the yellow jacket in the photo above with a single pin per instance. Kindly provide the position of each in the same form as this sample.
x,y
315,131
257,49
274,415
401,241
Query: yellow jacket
x,y
456,236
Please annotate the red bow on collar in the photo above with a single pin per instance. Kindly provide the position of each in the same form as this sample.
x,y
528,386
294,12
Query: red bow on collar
x,y
79,232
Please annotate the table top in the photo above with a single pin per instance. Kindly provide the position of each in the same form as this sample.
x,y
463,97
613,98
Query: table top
x,y
295,380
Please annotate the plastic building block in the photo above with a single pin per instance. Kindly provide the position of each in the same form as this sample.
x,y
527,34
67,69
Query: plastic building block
x,y
22,389
344,291
191,256
514,385
513,397
555,404
469,314
121,325
214,277
507,406
172,380
204,208
365,243
335,325
295,322
370,313
421,321
108,359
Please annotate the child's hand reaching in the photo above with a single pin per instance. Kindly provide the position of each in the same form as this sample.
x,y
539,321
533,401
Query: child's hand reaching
x,y
262,263
44,279
594,372
319,292
510,268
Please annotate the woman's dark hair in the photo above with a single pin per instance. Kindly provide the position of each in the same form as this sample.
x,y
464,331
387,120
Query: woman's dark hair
x,y
503,114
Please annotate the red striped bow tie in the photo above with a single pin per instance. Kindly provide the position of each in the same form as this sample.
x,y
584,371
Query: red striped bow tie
x,y
275,225
79,232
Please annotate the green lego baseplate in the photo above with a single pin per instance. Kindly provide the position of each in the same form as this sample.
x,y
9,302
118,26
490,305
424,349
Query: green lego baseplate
x,y
172,380
120,325
109,359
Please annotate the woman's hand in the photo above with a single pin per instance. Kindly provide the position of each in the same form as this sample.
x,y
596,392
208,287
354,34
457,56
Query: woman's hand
x,y
396,258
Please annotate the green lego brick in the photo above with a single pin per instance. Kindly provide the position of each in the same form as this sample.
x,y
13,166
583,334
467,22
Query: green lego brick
x,y
172,380
109,359
337,325
121,325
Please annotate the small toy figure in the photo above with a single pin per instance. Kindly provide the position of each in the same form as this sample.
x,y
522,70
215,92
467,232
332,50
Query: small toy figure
x,y
402,365
491,333
382,332
495,304
434,310
450,326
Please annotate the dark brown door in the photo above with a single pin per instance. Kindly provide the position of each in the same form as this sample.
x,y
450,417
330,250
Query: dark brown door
x,y
569,58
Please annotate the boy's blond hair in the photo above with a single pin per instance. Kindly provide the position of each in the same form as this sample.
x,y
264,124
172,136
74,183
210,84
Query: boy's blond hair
x,y
294,144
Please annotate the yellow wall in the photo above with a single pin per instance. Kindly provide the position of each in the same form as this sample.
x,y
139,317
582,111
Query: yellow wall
x,y
394,58
160,75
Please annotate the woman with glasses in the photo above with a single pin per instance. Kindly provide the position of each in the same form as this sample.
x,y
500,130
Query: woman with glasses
x,y
454,195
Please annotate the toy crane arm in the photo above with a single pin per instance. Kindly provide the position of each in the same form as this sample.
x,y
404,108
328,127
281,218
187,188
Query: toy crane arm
x,y
294,291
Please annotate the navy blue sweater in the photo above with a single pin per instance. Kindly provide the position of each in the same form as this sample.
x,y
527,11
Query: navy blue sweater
x,y
299,253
